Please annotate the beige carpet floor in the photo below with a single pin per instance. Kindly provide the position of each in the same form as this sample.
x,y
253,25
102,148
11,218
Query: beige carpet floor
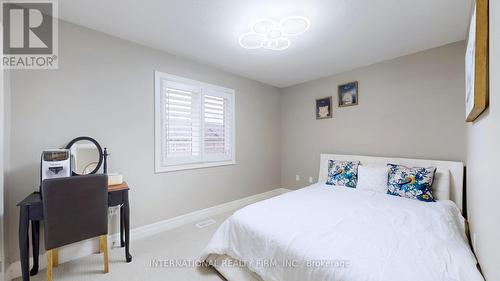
x,y
182,244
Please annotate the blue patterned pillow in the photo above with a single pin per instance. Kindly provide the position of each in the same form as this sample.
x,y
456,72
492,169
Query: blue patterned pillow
x,y
343,173
413,183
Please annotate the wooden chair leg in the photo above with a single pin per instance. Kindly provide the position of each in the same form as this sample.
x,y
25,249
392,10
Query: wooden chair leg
x,y
100,244
48,270
55,257
103,248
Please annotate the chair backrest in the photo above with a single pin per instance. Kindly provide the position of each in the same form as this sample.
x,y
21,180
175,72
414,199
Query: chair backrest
x,y
75,209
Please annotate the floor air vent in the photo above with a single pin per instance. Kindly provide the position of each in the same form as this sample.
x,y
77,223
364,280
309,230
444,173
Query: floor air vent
x,y
205,223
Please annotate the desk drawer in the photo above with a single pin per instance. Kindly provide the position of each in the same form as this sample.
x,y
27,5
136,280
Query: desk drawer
x,y
116,197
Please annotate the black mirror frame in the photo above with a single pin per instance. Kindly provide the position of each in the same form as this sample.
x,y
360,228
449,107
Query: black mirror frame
x,y
99,148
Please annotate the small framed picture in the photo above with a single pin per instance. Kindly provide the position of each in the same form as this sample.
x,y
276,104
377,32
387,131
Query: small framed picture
x,y
324,108
348,94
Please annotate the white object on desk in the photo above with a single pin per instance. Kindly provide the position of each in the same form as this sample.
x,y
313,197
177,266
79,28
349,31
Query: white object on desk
x,y
55,163
115,178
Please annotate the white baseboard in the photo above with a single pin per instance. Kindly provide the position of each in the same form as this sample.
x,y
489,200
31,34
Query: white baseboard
x,y
88,247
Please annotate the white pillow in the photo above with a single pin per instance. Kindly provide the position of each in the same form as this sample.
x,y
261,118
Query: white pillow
x,y
373,178
441,185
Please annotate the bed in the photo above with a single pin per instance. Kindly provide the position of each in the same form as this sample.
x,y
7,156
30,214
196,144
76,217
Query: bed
x,y
324,232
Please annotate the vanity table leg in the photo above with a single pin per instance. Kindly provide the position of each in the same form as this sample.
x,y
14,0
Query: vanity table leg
x,y
35,241
122,241
23,242
126,222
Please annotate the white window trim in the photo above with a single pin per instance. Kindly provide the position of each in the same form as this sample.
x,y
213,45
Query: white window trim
x,y
159,168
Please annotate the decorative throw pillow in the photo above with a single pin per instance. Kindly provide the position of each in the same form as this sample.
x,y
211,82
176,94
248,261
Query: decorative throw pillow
x,y
413,183
342,173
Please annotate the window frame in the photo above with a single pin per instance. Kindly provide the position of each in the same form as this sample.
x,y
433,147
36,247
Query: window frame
x,y
206,88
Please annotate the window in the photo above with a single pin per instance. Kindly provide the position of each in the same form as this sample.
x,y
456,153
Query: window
x,y
194,124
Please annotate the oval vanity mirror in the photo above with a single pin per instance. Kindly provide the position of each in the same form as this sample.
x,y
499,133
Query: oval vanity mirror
x,y
86,156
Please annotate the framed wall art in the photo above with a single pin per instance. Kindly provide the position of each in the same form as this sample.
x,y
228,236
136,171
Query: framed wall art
x,y
476,62
324,108
348,94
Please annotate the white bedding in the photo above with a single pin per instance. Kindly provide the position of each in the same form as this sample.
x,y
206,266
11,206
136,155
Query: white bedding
x,y
336,233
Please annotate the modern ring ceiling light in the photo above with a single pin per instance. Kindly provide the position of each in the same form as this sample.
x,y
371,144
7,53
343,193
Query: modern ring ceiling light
x,y
273,35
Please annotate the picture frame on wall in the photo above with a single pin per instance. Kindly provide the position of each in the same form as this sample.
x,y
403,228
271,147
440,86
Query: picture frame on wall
x,y
324,108
348,94
476,62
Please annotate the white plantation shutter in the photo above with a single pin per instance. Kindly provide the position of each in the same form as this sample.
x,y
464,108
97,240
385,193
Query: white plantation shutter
x,y
194,124
217,126
181,126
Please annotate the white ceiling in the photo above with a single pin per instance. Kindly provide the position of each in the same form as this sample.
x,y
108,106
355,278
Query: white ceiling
x,y
344,34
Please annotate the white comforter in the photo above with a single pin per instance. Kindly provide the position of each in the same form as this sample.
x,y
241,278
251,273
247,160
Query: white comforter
x,y
336,233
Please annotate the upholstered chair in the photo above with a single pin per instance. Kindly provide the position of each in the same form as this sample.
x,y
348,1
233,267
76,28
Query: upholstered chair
x,y
75,209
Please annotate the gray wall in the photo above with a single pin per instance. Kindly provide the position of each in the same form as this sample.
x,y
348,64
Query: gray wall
x,y
6,156
483,165
411,106
104,88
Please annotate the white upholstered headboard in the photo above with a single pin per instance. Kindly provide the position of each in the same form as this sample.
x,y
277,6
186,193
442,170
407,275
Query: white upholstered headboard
x,y
448,183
